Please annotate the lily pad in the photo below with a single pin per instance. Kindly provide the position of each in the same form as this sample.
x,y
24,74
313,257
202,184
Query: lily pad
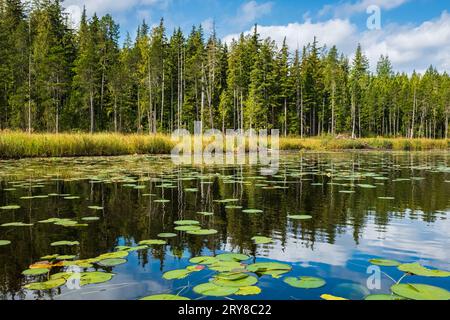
x,y
419,270
4,242
225,266
232,257
206,214
384,262
186,222
420,292
17,224
90,218
111,262
248,291
111,255
305,282
203,260
47,285
202,232
300,217
331,297
187,228
162,297
152,242
212,290
65,243
35,272
244,282
10,207
177,274
94,277
262,240
167,235
252,211
268,266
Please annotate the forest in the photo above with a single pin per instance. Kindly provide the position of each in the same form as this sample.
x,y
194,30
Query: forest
x,y
55,78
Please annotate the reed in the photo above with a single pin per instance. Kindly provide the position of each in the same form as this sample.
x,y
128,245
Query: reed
x,y
14,145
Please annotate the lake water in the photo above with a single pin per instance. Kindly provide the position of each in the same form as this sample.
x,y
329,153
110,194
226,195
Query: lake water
x,y
363,205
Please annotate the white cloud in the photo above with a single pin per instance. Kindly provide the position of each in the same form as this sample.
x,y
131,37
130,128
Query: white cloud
x,y
409,47
251,11
347,9
208,26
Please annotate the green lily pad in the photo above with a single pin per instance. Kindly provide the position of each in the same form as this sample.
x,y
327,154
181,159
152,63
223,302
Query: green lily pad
x,y
152,242
419,270
248,291
4,242
35,272
17,224
111,262
225,266
47,285
366,186
67,257
72,198
231,276
203,260
10,207
252,211
94,277
65,243
90,218
212,290
262,240
161,201
232,257
202,232
300,217
384,262
206,213
186,222
305,282
244,282
420,292
383,297
264,267
112,255
163,297
95,208
167,235
177,274
187,228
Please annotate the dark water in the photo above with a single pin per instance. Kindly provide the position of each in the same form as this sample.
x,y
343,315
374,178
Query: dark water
x,y
347,229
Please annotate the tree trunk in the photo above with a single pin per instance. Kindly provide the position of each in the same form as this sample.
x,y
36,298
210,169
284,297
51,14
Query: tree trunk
x,y
91,98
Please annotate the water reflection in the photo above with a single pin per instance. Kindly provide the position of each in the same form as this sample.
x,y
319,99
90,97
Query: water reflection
x,y
364,205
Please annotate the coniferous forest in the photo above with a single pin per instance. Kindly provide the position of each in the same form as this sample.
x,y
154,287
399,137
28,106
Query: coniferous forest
x,y
54,78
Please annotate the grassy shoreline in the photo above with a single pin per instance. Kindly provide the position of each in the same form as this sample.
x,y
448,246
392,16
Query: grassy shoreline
x,y
16,145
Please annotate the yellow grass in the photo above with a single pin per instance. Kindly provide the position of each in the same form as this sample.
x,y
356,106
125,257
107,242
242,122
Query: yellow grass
x,y
22,145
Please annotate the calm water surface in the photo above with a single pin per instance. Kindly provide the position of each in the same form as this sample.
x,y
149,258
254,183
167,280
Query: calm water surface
x,y
363,206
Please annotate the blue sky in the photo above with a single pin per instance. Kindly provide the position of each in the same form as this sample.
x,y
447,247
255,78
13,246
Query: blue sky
x,y
414,33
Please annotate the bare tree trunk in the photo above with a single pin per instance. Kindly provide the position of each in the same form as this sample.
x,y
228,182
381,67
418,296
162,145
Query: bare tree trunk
x,y
413,115
285,117
353,117
91,98
301,113
333,106
162,97
115,113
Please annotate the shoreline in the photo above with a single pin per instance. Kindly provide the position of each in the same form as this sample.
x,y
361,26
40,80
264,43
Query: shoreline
x,y
19,145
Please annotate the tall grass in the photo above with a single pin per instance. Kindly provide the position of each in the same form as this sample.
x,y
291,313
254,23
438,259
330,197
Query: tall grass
x,y
15,145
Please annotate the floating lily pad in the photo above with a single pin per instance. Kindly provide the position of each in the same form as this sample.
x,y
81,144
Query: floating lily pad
x,y
90,218
384,262
331,297
111,262
252,211
206,214
212,290
177,274
420,292
161,201
72,198
162,297
269,266
94,277
203,260
47,285
202,232
186,222
248,291
225,266
231,276
65,243
243,282
232,257
300,217
167,235
10,207
187,228
383,297
305,282
366,186
4,242
262,240
66,257
152,242
17,224
35,272
95,208
419,270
